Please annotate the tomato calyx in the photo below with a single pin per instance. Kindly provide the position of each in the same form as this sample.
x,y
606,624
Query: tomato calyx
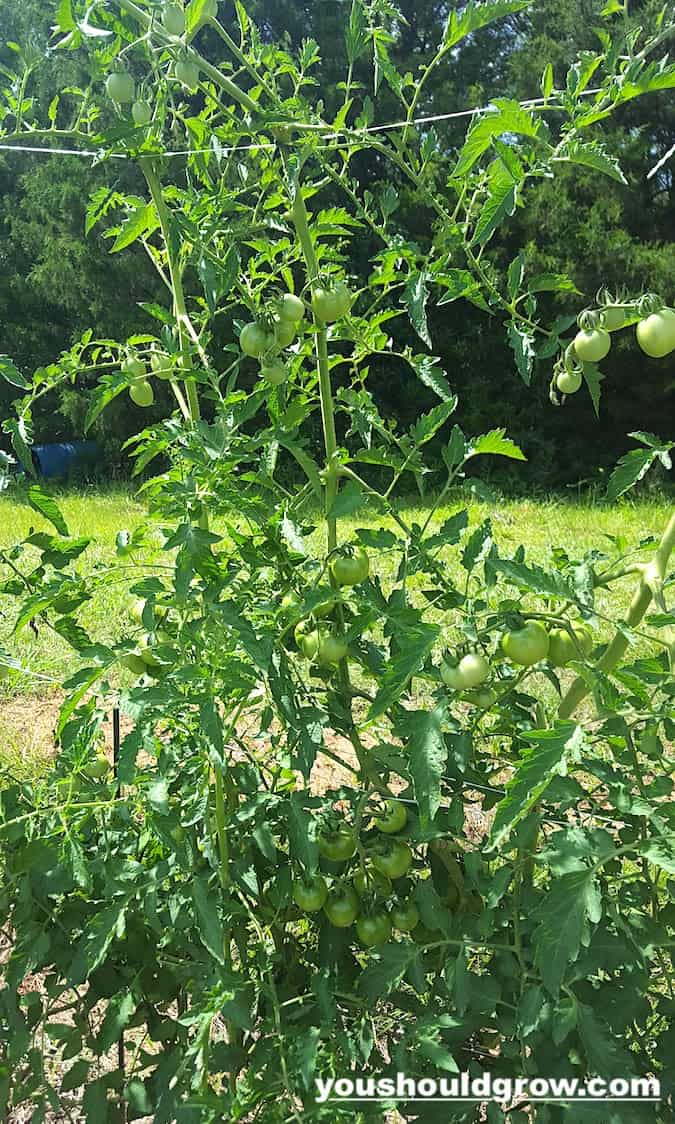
x,y
392,818
336,843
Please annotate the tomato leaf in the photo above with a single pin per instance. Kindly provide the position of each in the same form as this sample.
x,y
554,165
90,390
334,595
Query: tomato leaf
x,y
415,297
562,923
48,507
427,754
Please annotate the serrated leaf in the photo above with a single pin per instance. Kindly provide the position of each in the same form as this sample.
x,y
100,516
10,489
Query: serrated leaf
x,y
570,902
428,372
415,297
507,117
386,972
48,507
428,425
535,579
474,16
535,770
552,283
495,443
209,926
427,754
590,154
521,340
477,545
630,469
143,220
419,639
501,200
12,374
109,386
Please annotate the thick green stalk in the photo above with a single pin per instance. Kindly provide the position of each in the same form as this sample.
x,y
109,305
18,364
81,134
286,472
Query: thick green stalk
x,y
179,303
327,412
638,607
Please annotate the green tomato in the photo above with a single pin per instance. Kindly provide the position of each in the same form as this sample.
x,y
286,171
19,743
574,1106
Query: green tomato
x,y
97,769
121,87
585,638
392,857
145,651
290,602
275,374
284,332
133,663
255,341
343,299
527,645
561,647
483,699
350,569
325,305
134,367
472,670
374,928
161,365
405,916
342,907
331,650
569,382
369,882
592,346
393,818
307,637
310,893
173,20
337,845
291,308
142,394
656,334
188,73
141,111
614,317
325,607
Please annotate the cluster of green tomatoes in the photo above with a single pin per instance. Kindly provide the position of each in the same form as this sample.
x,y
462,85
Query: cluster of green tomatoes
x,y
316,636
266,337
143,660
526,645
655,334
139,371
120,85
364,893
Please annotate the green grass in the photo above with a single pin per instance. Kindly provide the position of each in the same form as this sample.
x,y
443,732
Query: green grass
x,y
100,514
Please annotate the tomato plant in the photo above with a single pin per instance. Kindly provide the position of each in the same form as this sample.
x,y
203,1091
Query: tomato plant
x,y
181,939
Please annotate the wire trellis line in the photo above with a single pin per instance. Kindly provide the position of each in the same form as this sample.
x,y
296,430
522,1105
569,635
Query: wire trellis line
x,y
531,103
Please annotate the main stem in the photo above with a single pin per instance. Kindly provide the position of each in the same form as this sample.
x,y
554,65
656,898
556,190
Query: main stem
x,y
301,223
638,607
179,303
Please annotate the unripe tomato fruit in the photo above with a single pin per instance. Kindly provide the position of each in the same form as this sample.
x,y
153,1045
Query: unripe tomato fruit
x,y
483,699
284,332
331,650
291,308
392,857
254,340
656,334
188,73
141,111
325,305
405,916
393,817
161,365
310,894
592,346
290,602
527,645
145,651
342,907
472,670
337,845
370,882
569,382
97,769
614,317
374,929
133,663
325,608
173,20
134,367
585,638
142,394
121,87
343,299
275,374
561,647
350,569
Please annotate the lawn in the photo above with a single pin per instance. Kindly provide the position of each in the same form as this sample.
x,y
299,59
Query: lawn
x,y
28,700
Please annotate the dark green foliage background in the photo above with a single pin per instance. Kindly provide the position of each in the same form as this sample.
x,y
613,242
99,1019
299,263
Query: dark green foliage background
x,y
54,282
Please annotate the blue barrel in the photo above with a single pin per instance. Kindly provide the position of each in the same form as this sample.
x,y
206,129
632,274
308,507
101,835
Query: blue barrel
x,y
64,458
